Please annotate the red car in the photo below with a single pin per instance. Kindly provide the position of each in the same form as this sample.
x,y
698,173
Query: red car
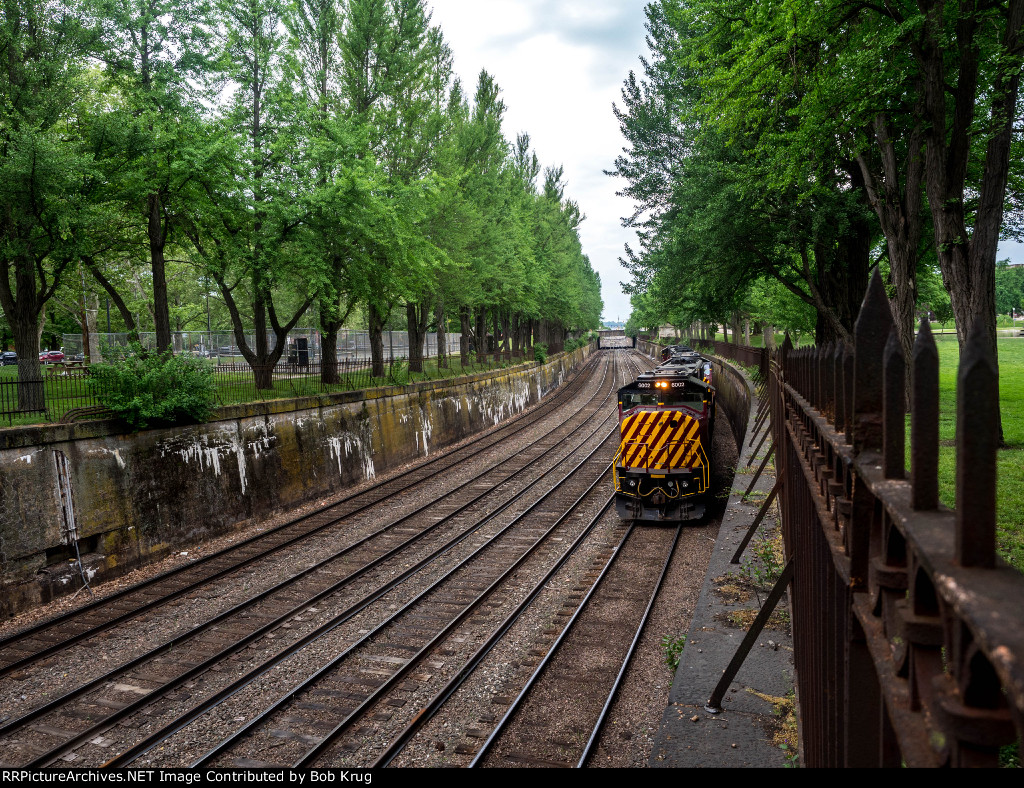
x,y
51,356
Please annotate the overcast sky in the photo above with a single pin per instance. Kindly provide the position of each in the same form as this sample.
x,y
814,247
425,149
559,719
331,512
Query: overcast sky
x,y
560,65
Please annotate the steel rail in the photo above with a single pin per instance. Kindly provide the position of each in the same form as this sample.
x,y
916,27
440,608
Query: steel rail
x,y
234,648
434,705
504,721
242,732
533,417
599,725
310,757
138,750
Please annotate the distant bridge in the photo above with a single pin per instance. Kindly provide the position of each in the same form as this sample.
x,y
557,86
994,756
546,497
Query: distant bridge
x,y
614,339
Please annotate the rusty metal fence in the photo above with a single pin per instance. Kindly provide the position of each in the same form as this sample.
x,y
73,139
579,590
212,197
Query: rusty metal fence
x,y
908,629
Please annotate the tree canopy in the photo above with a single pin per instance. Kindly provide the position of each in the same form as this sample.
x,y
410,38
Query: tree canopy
x,y
801,143
259,163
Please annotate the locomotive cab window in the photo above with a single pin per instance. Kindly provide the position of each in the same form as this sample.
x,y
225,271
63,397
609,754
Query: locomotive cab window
x,y
690,399
631,399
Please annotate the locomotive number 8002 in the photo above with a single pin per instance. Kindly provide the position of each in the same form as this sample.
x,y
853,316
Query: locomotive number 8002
x,y
662,469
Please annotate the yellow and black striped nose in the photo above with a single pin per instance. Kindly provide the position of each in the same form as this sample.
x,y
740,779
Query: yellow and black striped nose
x,y
660,439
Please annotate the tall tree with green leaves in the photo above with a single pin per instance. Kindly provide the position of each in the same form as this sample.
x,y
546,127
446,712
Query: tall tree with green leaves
x,y
343,214
249,230
157,56
392,60
45,49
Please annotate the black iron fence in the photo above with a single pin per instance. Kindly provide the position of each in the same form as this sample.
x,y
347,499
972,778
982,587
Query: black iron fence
x,y
908,629
66,392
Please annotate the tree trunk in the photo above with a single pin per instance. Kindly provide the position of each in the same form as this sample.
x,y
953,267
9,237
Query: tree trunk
x,y
30,376
157,241
466,339
416,316
442,336
895,194
23,307
91,348
967,259
122,308
329,350
376,342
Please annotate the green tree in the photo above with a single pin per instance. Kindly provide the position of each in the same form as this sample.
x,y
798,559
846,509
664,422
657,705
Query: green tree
x,y
391,61
45,49
249,231
703,170
156,54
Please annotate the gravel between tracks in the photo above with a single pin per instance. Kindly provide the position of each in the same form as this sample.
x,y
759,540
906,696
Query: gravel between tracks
x,y
635,716
50,677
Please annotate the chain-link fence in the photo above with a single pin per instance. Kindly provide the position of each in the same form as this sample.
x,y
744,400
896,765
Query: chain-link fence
x,y
304,345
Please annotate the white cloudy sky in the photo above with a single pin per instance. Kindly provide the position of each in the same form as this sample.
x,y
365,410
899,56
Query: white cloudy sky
x,y
560,65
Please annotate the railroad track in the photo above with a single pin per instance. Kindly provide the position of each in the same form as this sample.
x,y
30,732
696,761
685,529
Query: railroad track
x,y
75,726
559,714
51,636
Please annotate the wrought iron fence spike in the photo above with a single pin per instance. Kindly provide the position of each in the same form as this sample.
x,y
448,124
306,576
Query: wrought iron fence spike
x,y
894,400
924,421
977,442
871,332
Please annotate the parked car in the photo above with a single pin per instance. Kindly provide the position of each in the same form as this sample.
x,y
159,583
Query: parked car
x,y
51,356
8,358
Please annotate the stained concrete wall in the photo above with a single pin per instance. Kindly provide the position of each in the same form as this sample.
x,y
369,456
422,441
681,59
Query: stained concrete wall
x,y
138,496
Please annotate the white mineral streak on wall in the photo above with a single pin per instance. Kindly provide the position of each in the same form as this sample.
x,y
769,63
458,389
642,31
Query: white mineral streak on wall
x,y
350,444
236,444
206,450
263,443
509,402
428,429
207,456
116,452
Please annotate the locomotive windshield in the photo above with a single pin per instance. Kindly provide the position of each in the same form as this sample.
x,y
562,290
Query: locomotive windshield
x,y
664,393
631,399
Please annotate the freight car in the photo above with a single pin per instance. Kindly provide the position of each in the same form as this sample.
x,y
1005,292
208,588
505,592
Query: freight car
x,y
662,470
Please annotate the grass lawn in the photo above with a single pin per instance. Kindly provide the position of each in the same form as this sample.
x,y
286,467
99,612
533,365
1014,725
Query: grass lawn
x,y
1010,463
63,394
285,387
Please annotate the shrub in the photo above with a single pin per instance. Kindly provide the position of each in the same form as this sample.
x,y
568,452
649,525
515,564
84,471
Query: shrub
x,y
540,352
144,388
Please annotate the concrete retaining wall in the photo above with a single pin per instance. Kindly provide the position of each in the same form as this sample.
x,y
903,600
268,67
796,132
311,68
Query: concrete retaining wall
x,y
138,496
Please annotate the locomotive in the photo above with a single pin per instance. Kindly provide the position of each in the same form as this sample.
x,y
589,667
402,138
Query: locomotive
x,y
671,350
662,470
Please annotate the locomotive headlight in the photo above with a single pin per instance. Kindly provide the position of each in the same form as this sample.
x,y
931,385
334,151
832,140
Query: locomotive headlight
x,y
685,485
632,482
